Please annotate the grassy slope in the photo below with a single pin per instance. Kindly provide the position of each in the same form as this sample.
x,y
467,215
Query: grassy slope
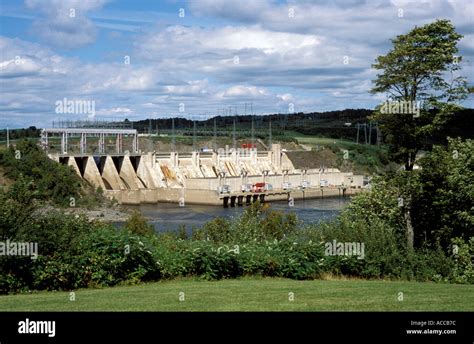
x,y
321,140
254,294
362,159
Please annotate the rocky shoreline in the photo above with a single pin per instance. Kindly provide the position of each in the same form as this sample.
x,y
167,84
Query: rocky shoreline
x,y
106,214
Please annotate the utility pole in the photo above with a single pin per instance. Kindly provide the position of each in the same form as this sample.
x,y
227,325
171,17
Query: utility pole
x,y
150,145
8,138
357,133
215,135
253,132
233,136
194,135
365,132
173,138
370,133
379,136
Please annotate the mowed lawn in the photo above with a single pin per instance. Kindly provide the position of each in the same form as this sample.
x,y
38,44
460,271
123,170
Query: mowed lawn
x,y
254,294
322,140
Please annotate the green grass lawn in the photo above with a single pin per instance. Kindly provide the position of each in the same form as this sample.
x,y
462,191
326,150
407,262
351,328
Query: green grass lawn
x,y
322,140
254,294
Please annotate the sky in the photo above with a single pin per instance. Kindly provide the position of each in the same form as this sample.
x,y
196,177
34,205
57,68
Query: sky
x,y
152,59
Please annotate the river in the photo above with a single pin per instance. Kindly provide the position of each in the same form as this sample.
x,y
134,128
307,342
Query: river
x,y
170,217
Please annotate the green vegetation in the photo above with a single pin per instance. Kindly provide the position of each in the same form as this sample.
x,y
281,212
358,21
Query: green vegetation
x,y
254,294
17,134
416,70
137,224
421,67
443,194
361,158
77,253
32,171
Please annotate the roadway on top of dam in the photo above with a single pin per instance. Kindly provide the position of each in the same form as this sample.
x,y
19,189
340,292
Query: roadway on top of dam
x,y
157,154
79,155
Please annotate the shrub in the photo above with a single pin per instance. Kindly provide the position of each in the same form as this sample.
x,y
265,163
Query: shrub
x,y
276,225
50,180
217,230
463,270
108,257
137,224
75,252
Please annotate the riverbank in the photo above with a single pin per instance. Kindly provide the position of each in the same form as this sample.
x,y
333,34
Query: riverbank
x,y
103,213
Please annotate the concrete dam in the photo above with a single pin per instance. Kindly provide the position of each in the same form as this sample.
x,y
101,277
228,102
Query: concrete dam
x,y
228,177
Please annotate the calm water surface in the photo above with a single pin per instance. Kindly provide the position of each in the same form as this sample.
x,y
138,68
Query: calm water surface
x,y
170,217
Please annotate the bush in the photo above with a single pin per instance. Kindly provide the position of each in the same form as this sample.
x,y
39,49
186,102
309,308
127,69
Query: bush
x,y
217,230
137,224
108,257
76,253
257,223
49,180
384,255
463,270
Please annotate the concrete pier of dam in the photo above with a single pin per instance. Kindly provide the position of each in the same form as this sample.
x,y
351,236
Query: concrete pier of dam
x,y
226,177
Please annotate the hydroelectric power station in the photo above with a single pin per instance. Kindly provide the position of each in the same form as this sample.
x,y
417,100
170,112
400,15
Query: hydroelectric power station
x,y
228,177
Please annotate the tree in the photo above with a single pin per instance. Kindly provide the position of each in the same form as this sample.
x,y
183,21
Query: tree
x,y
444,208
50,180
418,75
421,68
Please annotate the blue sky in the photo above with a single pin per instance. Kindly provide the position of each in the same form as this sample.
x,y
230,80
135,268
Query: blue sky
x,y
278,55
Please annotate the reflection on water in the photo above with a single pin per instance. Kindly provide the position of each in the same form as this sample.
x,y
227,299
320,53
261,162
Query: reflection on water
x,y
170,217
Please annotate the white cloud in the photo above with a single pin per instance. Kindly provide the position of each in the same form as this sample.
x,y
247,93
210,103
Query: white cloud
x,y
252,55
114,111
252,52
244,91
224,43
287,97
18,67
195,87
63,23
